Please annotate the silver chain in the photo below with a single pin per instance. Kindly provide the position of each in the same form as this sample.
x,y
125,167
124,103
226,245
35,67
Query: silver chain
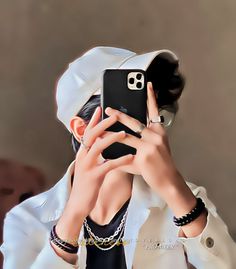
x,y
106,239
104,249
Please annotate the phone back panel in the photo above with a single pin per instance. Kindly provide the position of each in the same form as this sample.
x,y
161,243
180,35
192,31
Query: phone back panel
x,y
116,94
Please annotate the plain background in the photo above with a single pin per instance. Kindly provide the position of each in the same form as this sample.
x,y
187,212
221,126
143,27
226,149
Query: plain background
x,y
39,38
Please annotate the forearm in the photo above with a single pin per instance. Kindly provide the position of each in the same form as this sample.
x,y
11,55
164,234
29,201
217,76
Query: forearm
x,y
68,229
206,239
181,200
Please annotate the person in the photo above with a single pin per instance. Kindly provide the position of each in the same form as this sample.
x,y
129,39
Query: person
x,y
131,212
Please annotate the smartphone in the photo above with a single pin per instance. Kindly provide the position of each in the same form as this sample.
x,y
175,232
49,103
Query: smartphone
x,y
124,90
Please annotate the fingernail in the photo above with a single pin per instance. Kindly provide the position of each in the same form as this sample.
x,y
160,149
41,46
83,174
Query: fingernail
x,y
108,109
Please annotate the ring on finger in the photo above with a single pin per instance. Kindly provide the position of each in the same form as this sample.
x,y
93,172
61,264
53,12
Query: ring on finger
x,y
83,144
140,128
158,119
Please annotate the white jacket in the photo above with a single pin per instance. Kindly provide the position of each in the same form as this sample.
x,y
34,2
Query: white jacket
x,y
151,236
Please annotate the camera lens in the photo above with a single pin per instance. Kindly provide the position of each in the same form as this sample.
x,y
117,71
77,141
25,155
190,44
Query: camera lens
x,y
138,76
139,85
131,80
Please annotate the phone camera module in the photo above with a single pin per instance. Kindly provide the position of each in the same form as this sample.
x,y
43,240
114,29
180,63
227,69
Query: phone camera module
x,y
135,80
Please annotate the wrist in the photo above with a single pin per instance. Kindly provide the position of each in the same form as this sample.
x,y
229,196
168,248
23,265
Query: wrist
x,y
195,227
179,198
69,225
181,201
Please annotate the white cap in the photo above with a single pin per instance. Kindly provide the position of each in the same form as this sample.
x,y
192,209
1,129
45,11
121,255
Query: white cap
x,y
83,77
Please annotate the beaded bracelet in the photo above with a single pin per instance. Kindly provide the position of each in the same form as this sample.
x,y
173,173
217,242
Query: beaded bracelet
x,y
60,243
192,215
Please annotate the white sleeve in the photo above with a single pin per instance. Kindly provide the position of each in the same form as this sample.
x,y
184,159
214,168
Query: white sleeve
x,y
214,248
19,250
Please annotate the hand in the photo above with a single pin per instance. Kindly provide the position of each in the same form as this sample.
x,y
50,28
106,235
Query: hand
x,y
154,162
89,173
153,158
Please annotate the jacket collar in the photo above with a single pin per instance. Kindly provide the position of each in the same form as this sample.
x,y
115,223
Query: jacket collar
x,y
54,200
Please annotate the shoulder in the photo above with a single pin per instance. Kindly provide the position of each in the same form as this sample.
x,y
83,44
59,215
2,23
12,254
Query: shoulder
x,y
28,210
31,220
45,206
42,207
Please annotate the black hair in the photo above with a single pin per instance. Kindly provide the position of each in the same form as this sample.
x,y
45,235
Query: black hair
x,y
168,83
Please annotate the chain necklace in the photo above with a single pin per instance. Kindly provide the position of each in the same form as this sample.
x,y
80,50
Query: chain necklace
x,y
104,249
120,228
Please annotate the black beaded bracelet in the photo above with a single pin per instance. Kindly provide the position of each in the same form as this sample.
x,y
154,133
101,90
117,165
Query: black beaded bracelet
x,y
192,215
60,243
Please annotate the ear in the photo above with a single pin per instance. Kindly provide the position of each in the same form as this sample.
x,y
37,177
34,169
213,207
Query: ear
x,y
77,127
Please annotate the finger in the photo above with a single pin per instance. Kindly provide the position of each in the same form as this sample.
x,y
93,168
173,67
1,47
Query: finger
x,y
93,121
151,101
103,143
132,141
99,129
153,110
95,118
112,164
125,119
94,133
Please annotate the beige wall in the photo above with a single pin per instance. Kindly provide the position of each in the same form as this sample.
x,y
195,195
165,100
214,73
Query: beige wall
x,y
39,38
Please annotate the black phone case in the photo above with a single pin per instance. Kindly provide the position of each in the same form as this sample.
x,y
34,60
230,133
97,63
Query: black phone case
x,y
116,94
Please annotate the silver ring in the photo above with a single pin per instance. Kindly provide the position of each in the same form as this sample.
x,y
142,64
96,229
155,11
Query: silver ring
x,y
159,119
141,127
83,144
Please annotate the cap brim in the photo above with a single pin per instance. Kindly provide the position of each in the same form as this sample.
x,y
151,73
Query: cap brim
x,y
142,61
